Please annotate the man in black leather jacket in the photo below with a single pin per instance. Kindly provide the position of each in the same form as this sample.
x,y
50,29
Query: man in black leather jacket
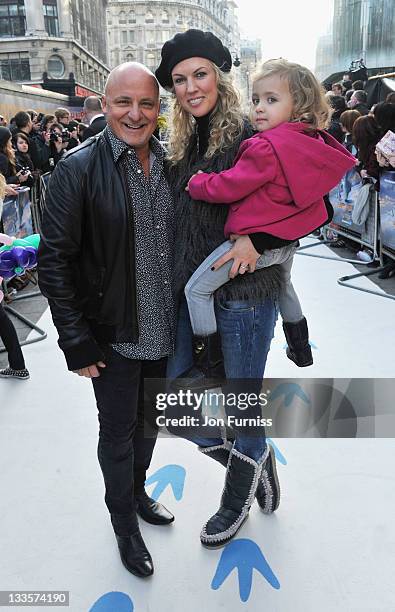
x,y
105,265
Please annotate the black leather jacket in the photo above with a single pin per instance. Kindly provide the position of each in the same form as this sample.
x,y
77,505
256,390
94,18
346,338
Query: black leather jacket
x,y
86,259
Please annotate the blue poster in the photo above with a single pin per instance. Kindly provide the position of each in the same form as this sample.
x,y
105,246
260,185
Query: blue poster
x,y
387,210
342,197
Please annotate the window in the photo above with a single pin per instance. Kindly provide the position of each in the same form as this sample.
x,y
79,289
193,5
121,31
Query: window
x,y
15,69
55,67
149,17
165,16
129,57
150,37
51,17
179,17
122,17
132,17
12,18
127,36
151,62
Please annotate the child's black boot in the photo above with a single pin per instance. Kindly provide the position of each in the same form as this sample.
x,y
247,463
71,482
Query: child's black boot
x,y
299,350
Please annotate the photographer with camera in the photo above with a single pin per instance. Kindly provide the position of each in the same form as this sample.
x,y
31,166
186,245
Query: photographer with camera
x,y
23,162
57,140
73,135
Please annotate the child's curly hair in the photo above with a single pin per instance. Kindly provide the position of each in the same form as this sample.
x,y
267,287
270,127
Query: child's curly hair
x,y
310,105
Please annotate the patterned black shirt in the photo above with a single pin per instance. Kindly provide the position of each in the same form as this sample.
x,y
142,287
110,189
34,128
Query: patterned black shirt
x,y
153,215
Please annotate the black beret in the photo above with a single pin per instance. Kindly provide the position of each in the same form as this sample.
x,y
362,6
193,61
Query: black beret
x,y
192,43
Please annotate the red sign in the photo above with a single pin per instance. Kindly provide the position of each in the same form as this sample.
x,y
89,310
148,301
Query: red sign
x,y
83,92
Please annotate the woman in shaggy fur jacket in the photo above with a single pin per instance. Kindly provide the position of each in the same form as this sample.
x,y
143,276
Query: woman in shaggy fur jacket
x,y
207,128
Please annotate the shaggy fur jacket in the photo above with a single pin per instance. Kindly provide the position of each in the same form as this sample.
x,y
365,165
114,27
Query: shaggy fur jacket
x,y
200,228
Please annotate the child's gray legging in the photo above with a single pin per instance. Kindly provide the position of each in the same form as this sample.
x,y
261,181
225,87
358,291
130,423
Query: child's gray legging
x,y
200,288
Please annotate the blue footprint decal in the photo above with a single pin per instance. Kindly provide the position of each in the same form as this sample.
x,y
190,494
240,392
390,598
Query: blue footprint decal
x,y
115,601
290,391
173,475
313,346
279,456
245,556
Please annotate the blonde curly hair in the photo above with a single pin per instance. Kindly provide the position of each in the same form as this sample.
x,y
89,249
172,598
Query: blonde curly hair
x,y
2,187
310,105
226,122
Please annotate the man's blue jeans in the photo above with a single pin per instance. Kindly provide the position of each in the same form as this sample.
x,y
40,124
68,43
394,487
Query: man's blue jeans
x,y
246,330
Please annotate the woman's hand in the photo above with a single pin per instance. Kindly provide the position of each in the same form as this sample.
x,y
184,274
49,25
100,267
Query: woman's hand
x,y
22,177
243,254
193,175
10,190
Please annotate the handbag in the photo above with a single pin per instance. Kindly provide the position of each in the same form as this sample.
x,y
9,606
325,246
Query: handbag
x,y
360,211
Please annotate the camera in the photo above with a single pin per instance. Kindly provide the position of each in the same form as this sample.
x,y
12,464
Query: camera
x,y
55,137
23,170
65,135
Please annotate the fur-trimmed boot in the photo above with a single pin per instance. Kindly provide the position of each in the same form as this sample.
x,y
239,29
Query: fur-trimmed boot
x,y
299,349
268,491
241,482
208,369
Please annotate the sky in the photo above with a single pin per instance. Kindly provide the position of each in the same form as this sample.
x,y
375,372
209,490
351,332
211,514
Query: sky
x,y
287,28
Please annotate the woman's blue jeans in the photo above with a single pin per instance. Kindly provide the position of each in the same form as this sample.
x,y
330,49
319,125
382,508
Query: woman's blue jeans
x,y
246,331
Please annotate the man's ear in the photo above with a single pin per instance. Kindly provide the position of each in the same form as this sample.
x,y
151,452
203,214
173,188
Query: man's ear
x,y
104,104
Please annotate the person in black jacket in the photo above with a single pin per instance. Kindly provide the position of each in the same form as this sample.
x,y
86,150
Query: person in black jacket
x,y
7,159
338,104
24,124
94,116
108,209
23,161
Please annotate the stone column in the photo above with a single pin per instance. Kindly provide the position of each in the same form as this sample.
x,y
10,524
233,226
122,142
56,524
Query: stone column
x,y
64,12
35,25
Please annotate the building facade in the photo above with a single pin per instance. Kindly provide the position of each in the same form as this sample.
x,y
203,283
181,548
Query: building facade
x,y
58,44
361,29
250,58
137,29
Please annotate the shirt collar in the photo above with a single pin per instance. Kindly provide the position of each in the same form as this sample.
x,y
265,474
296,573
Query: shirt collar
x,y
118,146
95,117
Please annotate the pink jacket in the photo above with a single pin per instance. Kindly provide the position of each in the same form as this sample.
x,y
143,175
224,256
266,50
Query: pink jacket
x,y
7,240
278,181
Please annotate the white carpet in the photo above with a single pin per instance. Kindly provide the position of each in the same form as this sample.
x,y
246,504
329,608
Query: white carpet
x,y
330,546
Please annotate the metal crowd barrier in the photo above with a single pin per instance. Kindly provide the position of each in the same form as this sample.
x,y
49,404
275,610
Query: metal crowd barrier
x,y
377,233
343,197
21,217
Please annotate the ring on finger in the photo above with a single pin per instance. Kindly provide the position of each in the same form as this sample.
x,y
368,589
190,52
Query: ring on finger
x,y
244,266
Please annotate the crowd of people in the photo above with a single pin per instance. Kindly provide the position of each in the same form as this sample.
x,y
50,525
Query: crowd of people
x,y
132,228
360,128
31,145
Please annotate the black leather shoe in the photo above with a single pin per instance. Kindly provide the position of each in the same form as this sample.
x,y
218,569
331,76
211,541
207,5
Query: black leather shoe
x,y
151,511
134,555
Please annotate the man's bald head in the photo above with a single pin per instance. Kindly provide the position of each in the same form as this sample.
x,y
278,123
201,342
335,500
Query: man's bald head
x,y
128,70
131,103
93,104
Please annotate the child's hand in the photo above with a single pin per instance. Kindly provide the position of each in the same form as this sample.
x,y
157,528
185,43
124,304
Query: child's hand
x,y
193,175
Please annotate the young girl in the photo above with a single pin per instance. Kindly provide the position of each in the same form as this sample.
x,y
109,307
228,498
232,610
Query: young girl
x,y
8,334
276,187
22,158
